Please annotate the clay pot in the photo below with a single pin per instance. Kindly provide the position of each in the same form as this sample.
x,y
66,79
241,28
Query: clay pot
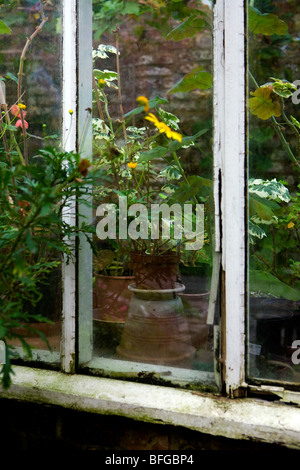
x,y
156,330
195,309
111,298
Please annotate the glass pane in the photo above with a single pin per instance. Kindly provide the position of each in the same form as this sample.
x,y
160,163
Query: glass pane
x,y
152,145
31,84
274,165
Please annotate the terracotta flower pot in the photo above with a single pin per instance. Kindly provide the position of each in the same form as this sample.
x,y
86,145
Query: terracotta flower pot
x,y
156,330
111,298
195,307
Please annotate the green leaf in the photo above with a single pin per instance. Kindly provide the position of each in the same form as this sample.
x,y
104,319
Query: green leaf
x,y
170,172
262,135
12,77
186,142
197,78
283,88
156,152
131,8
265,282
261,211
4,29
152,104
255,231
264,104
196,186
295,122
265,23
168,118
187,29
269,189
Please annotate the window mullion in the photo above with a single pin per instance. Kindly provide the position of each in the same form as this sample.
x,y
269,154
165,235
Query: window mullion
x,y
85,255
69,144
233,194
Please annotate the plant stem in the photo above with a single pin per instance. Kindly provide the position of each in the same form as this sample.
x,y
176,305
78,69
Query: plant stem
x,y
99,106
119,85
20,74
4,105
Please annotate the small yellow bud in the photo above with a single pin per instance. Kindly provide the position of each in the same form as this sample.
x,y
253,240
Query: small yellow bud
x,y
143,101
132,164
101,82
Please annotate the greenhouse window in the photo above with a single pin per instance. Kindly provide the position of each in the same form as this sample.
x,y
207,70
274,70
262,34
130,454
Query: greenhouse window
x,y
182,134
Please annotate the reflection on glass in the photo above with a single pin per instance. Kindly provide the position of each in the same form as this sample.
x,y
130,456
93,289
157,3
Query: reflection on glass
x,y
31,84
152,146
274,168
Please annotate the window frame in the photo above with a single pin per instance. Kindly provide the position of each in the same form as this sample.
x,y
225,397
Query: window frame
x,y
247,418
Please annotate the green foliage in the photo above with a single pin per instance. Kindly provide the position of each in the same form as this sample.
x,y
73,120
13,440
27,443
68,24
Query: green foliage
x,y
187,29
4,29
263,104
197,78
141,160
265,23
273,209
33,237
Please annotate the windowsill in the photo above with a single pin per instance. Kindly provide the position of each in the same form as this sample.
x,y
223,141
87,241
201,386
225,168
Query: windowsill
x,y
252,419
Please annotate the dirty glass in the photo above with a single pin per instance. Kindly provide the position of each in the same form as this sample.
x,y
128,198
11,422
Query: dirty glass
x,y
153,202
273,197
31,95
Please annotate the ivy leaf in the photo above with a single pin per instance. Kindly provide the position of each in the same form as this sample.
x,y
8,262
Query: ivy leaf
x,y
261,211
170,172
107,75
197,78
168,118
265,103
187,29
4,29
265,23
255,231
269,189
283,88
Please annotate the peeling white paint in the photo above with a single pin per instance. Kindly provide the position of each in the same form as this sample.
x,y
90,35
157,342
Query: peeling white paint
x,y
248,419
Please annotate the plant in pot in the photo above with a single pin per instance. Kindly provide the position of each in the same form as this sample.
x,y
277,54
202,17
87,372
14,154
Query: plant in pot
x,y
141,167
142,173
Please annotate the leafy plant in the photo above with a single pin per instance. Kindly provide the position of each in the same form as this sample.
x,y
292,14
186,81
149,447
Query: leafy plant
x,y
35,193
273,211
141,161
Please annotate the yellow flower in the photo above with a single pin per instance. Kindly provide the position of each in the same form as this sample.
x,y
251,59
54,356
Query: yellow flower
x,y
21,106
290,225
132,164
71,111
144,102
152,118
162,127
101,82
176,136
